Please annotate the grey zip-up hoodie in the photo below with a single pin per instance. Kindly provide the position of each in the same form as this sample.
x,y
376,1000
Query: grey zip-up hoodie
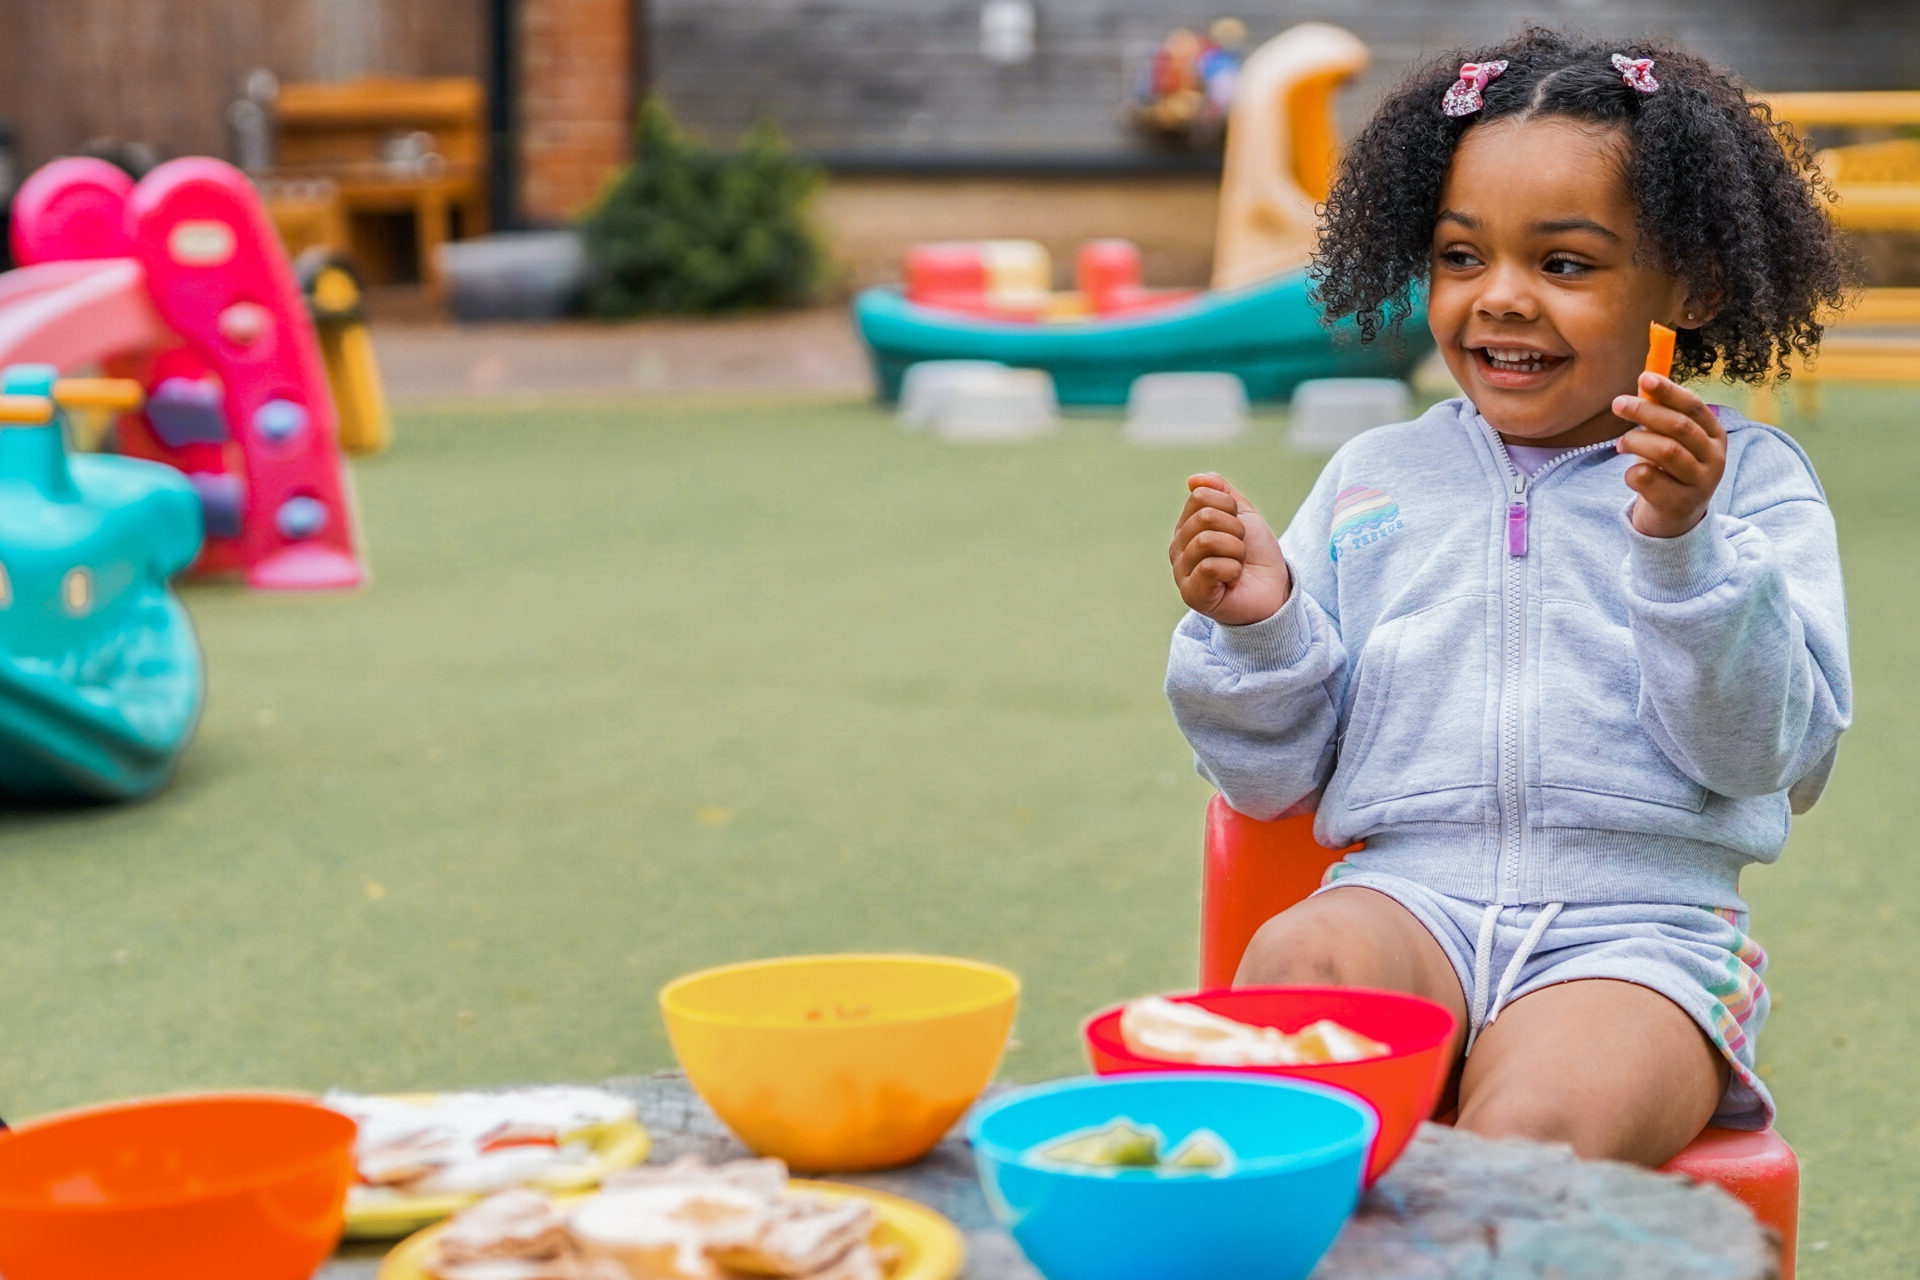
x,y
1514,697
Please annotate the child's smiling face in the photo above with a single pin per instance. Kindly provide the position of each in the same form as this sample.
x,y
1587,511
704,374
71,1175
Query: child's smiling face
x,y
1540,298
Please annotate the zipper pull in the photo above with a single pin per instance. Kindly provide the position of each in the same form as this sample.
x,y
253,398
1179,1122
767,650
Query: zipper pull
x,y
1517,519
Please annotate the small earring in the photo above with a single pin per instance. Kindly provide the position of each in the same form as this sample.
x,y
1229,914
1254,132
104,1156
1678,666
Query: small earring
x,y
1689,315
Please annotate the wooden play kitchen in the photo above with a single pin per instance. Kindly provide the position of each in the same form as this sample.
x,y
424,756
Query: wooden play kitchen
x,y
379,146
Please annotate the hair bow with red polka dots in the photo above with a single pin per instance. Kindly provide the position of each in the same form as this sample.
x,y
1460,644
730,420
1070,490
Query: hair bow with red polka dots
x,y
1637,72
1464,98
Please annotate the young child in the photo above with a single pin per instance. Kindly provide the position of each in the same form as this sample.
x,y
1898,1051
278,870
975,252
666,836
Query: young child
x,y
1566,651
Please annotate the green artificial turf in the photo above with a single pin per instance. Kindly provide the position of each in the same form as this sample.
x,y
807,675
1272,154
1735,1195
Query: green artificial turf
x,y
641,688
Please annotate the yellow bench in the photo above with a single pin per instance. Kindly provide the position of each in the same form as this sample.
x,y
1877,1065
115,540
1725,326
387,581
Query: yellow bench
x,y
1877,185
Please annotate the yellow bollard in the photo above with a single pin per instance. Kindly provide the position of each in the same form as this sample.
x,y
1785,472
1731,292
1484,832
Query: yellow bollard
x,y
352,370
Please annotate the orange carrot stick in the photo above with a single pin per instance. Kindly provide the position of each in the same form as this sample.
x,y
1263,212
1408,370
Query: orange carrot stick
x,y
1659,349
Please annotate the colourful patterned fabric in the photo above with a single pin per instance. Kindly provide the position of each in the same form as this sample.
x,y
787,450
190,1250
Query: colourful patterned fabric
x,y
1362,515
1738,990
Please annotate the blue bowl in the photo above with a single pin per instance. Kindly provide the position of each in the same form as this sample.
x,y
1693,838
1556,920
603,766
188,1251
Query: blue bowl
x,y
1299,1151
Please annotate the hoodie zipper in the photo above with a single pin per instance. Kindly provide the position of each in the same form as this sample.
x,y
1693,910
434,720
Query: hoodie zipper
x,y
1513,599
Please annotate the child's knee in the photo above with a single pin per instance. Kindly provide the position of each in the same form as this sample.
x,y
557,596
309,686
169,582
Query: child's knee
x,y
1523,1110
1295,949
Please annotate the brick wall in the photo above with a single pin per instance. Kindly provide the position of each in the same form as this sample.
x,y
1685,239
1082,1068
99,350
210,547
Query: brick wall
x,y
575,102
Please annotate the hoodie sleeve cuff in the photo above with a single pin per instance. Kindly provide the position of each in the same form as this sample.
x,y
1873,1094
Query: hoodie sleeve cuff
x,y
1669,570
1271,644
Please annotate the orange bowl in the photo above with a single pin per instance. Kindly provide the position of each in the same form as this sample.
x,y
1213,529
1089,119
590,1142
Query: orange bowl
x,y
837,1063
207,1187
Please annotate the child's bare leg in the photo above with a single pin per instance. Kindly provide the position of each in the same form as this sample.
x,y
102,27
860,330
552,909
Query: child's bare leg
x,y
1353,937
1615,1069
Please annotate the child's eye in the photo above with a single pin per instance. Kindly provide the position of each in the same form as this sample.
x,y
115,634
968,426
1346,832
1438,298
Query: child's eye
x,y
1561,266
1459,259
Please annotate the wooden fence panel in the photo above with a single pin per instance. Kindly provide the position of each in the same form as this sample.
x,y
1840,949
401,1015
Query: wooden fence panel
x,y
163,72
907,78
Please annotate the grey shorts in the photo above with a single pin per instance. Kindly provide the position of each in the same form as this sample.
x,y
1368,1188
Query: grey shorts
x,y
1698,957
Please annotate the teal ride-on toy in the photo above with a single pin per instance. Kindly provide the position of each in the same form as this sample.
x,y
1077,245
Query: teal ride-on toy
x,y
1270,334
101,679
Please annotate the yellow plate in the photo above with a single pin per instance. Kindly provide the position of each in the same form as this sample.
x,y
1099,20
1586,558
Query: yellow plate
x,y
929,1246
615,1146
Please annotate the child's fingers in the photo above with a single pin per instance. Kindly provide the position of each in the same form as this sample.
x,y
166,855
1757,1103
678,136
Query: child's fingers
x,y
1653,414
1666,496
1667,392
1666,507
1202,499
1664,421
1210,545
1203,518
1666,453
1203,588
1208,516
1214,480
1654,484
1663,493
1221,569
1208,552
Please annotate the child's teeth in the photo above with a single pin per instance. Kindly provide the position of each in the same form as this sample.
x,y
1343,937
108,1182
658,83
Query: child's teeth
x,y
1519,361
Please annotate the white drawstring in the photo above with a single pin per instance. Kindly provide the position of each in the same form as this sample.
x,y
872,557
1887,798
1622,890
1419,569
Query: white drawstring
x,y
1482,973
1483,966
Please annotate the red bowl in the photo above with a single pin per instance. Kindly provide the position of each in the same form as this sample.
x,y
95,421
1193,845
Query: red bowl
x,y
209,1187
1402,1086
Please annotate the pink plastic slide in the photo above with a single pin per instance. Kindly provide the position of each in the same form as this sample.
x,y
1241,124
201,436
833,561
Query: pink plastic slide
x,y
180,282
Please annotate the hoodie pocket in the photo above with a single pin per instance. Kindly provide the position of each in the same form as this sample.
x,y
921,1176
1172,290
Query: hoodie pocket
x,y
1420,709
1584,720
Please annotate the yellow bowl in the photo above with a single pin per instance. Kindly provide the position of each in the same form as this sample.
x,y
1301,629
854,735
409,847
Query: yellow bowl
x,y
837,1063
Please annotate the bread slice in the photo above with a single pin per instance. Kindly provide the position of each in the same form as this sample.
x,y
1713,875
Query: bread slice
x,y
562,1268
662,1232
800,1235
517,1224
764,1178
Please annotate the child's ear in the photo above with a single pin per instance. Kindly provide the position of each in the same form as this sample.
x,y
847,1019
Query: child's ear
x,y
1697,311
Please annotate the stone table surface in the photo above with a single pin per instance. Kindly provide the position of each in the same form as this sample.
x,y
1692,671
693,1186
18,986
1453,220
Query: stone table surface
x,y
1453,1206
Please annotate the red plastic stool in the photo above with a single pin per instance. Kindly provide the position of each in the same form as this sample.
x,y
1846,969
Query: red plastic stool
x,y
1757,1169
1255,870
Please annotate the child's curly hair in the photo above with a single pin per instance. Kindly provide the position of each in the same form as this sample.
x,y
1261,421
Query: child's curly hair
x,y
1728,197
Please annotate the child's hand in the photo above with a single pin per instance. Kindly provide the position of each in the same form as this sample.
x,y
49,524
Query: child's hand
x,y
1684,449
1226,561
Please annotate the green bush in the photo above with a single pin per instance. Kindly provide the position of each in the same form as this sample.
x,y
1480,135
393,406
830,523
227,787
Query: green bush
x,y
688,228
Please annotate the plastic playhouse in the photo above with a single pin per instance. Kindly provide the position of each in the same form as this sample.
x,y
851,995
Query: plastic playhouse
x,y
992,300
180,284
100,678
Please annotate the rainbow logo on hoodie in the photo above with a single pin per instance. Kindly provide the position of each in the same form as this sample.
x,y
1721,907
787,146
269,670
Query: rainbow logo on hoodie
x,y
1362,515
